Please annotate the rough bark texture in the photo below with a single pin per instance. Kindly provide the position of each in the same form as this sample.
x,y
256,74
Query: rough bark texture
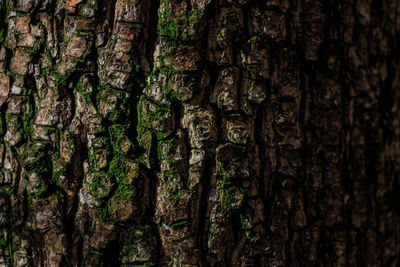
x,y
199,133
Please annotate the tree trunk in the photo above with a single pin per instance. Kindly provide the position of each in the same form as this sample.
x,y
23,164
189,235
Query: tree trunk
x,y
199,133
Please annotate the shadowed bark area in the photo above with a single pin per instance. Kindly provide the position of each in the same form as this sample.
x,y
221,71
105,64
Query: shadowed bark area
x,y
199,133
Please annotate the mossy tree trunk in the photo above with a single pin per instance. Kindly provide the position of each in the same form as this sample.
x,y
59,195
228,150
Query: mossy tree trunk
x,y
199,133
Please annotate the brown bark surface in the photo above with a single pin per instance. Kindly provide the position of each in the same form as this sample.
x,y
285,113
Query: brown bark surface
x,y
199,133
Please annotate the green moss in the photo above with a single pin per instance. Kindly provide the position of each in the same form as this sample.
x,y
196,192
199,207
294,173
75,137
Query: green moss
x,y
27,120
96,160
37,164
117,130
149,112
120,208
221,36
6,244
163,148
175,195
126,172
86,95
253,40
39,189
228,171
136,233
145,140
119,140
142,123
2,36
37,159
118,101
166,27
214,229
8,11
232,197
50,59
125,191
116,168
178,224
101,185
37,48
194,16
250,68
60,79
251,234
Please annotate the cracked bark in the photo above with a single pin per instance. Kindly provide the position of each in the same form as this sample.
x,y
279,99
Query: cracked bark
x,y
199,133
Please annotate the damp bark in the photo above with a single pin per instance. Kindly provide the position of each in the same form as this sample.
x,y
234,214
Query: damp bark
x,y
199,133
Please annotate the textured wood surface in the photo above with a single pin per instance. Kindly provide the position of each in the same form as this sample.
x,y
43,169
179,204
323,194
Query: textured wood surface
x,y
199,133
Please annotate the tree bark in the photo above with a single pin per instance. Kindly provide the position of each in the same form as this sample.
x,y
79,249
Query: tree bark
x,y
199,133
